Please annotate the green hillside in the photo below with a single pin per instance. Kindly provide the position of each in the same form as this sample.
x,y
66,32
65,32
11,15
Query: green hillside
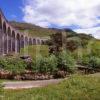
x,y
33,29
38,31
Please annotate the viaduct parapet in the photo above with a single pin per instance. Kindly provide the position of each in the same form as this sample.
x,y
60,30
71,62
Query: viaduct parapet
x,y
12,40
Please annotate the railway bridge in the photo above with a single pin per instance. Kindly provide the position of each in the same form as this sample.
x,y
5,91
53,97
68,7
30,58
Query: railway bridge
x,y
12,40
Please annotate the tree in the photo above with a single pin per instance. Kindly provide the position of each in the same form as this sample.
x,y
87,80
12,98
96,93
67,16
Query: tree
x,y
73,43
57,42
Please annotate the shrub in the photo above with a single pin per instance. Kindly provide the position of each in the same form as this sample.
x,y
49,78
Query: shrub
x,y
85,60
73,43
52,63
45,64
94,62
91,61
39,65
66,62
14,65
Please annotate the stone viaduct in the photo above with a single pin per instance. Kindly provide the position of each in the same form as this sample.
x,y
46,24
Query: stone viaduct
x,y
12,40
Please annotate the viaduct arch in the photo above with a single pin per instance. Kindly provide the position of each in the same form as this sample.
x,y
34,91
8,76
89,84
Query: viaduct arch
x,y
11,40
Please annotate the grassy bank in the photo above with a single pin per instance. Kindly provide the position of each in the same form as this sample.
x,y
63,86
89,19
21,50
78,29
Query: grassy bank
x,y
74,88
35,50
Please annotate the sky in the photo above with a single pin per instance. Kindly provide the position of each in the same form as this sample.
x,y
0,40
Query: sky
x,y
83,16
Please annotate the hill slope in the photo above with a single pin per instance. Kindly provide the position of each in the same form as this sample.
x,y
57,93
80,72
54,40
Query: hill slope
x,y
38,31
33,29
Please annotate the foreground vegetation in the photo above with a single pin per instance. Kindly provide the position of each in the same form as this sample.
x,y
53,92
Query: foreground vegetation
x,y
53,60
74,88
57,66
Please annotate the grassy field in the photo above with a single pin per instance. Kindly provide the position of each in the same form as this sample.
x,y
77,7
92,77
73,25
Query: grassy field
x,y
74,88
93,48
35,50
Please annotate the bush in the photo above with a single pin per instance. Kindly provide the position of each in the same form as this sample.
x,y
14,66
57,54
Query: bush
x,y
14,65
45,64
85,60
94,62
40,64
91,61
73,43
66,62
52,63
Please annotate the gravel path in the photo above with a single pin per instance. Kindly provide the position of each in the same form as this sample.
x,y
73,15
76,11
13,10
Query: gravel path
x,y
95,75
30,84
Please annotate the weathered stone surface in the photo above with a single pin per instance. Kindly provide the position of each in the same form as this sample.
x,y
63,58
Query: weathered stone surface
x,y
5,74
27,75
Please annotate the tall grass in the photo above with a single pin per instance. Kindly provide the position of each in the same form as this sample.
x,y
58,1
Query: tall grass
x,y
1,90
35,50
74,88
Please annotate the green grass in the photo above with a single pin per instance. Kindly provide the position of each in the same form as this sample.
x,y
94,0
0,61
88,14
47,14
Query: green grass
x,y
96,48
3,80
7,80
74,88
93,48
35,50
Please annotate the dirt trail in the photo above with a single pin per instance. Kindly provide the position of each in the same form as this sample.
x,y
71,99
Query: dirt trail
x,y
95,75
30,84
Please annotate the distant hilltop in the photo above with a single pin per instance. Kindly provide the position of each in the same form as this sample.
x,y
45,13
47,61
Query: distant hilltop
x,y
38,31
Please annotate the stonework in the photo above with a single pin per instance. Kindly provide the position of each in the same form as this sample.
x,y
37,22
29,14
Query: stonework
x,y
11,40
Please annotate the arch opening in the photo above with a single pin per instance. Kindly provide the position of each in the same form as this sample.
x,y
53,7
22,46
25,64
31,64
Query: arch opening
x,y
0,22
42,42
9,40
13,41
5,38
30,41
38,42
4,27
1,35
26,41
22,41
34,41
18,42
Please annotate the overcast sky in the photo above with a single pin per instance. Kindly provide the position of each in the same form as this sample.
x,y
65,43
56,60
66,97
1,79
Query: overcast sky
x,y
83,16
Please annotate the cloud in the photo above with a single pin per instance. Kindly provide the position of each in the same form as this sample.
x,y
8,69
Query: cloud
x,y
94,31
82,13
